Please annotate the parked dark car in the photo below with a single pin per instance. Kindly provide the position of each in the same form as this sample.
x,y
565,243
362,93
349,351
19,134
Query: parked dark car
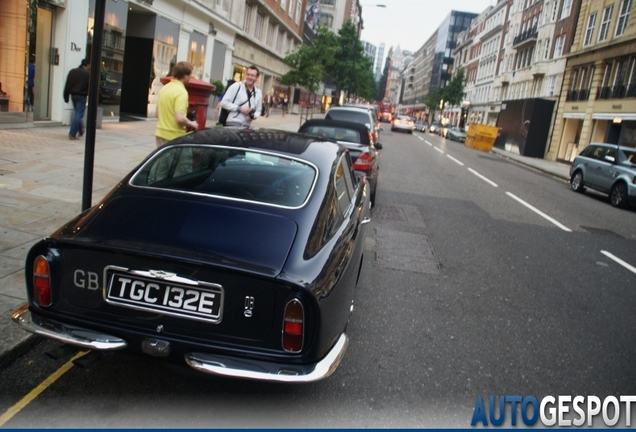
x,y
607,168
456,134
357,139
420,126
356,115
435,128
110,91
234,251
373,109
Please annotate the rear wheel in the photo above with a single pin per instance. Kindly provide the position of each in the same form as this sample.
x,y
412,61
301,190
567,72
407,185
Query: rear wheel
x,y
576,182
618,195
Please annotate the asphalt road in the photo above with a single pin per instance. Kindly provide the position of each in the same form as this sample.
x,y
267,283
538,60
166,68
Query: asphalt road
x,y
481,277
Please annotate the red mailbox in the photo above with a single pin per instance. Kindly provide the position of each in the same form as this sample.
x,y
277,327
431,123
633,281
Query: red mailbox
x,y
198,97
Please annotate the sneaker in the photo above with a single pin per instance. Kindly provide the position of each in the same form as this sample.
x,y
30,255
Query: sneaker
x,y
71,137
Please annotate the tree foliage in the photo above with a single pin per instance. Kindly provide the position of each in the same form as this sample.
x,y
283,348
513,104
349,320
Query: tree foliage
x,y
454,91
432,99
338,57
308,63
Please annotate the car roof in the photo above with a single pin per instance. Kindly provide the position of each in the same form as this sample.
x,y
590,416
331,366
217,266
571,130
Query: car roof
x,y
341,124
343,109
272,140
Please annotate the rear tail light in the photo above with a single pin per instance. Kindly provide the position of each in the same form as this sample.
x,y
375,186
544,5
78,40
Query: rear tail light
x,y
363,163
293,327
41,281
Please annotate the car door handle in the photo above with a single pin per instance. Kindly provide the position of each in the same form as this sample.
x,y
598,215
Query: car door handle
x,y
365,220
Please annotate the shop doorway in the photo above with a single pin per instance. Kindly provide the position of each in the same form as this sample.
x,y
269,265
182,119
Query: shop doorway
x,y
41,38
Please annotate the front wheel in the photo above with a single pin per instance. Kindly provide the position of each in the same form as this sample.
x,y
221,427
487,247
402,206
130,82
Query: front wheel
x,y
576,182
618,195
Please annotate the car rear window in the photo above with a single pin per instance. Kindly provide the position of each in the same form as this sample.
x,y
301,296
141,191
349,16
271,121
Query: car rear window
x,y
231,173
629,156
349,115
334,133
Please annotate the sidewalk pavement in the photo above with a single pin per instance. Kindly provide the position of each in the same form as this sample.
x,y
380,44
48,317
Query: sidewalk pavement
x,y
41,179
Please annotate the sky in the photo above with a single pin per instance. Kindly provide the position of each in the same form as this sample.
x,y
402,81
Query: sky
x,y
409,23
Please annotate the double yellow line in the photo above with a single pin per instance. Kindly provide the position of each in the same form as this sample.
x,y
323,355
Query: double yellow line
x,y
8,414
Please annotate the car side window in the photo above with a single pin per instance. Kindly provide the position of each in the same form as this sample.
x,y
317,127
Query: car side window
x,y
344,184
629,156
587,151
598,153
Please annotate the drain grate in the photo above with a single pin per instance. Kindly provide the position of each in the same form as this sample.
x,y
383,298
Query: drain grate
x,y
601,231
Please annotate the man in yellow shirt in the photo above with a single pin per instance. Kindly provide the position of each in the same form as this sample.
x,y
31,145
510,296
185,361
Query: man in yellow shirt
x,y
172,106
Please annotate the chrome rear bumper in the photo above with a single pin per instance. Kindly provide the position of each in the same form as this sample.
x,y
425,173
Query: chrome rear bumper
x,y
64,332
202,362
267,371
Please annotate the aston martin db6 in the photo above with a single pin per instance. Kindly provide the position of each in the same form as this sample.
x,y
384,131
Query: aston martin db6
x,y
234,251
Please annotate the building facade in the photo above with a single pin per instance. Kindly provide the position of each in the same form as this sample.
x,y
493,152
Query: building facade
x,y
598,100
219,37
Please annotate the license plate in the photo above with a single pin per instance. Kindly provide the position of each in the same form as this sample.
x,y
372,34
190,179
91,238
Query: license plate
x,y
197,301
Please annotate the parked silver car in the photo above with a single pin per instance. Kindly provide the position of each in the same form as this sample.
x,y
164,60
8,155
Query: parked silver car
x,y
607,168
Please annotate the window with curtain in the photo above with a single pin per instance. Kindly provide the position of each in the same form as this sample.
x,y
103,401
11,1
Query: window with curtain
x,y
623,16
566,9
591,22
605,23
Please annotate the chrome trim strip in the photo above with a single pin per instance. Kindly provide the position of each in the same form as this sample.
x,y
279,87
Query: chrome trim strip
x,y
267,371
66,333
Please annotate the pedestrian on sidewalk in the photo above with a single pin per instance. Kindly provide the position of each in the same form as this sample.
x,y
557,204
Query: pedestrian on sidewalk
x,y
31,83
243,100
269,103
172,106
77,88
285,105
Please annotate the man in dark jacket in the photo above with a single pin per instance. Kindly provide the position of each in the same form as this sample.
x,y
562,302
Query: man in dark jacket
x,y
77,88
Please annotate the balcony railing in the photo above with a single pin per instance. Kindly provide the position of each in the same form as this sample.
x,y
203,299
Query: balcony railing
x,y
528,37
578,95
616,92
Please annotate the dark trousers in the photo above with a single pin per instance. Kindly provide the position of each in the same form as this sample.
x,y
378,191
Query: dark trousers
x,y
79,106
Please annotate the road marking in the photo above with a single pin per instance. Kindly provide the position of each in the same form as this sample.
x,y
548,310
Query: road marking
x,y
8,414
618,260
482,177
439,150
428,143
539,212
454,160
420,137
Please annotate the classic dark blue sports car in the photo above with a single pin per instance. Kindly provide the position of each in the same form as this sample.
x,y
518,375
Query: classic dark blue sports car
x,y
234,250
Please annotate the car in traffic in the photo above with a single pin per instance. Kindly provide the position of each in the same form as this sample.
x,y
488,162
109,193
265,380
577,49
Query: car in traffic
x,y
607,168
420,126
357,139
456,134
356,115
403,123
435,128
233,251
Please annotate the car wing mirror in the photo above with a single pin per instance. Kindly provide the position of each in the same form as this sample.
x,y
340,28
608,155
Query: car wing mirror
x,y
378,146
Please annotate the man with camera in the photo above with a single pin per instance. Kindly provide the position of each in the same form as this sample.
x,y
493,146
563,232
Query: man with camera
x,y
243,100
